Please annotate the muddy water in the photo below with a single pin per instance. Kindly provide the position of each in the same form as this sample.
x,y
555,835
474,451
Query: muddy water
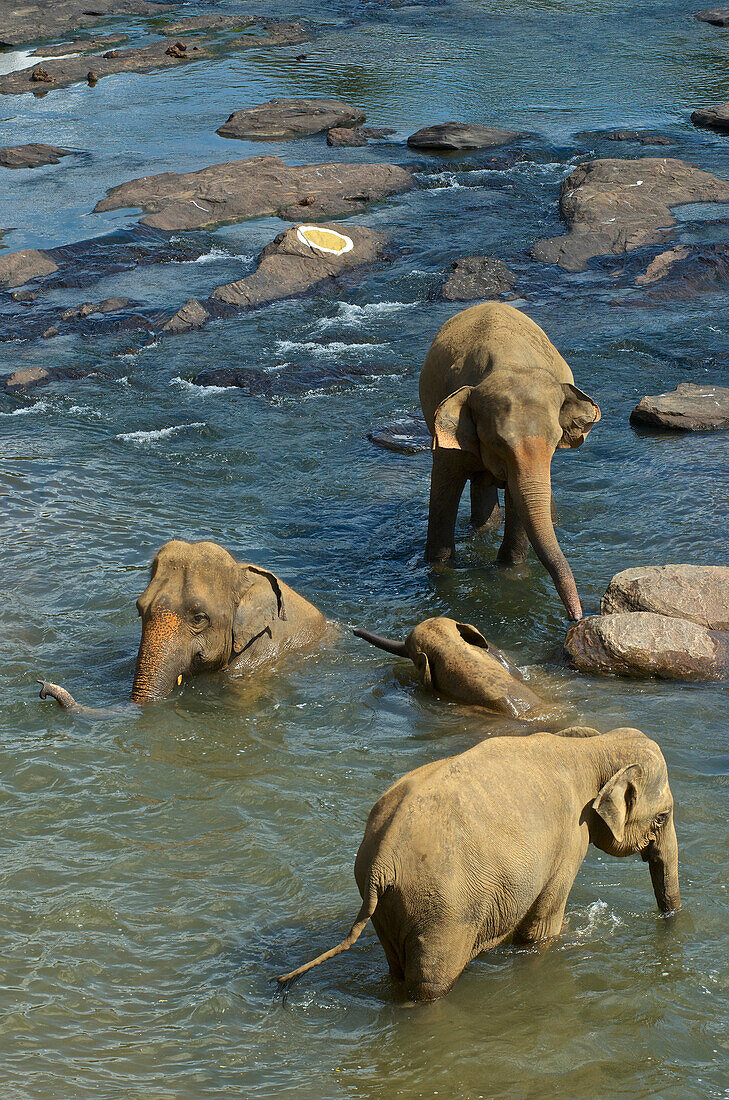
x,y
159,867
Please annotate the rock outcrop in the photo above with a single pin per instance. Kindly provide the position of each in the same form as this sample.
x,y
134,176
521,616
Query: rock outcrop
x,y
449,136
280,119
477,277
699,593
688,408
34,19
190,316
614,206
256,187
712,118
32,156
17,268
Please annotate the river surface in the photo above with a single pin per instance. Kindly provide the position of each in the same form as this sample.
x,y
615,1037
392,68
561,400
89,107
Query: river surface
x,y
160,867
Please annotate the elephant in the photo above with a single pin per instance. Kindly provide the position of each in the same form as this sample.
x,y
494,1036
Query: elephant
x,y
203,611
463,853
499,399
455,659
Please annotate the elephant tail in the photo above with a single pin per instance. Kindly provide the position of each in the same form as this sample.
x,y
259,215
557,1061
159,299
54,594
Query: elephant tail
x,y
398,648
368,907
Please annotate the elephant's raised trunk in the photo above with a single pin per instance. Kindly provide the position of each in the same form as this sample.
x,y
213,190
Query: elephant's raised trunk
x,y
663,865
530,488
398,648
159,662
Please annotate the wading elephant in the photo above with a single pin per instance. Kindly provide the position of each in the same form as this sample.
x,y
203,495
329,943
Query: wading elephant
x,y
499,399
464,852
455,659
203,611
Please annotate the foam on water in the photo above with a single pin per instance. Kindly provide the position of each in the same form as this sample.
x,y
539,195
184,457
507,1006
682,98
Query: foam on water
x,y
39,406
197,391
336,347
159,433
350,314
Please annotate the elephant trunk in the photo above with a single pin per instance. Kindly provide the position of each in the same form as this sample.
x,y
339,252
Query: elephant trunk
x,y
398,648
663,865
160,663
530,488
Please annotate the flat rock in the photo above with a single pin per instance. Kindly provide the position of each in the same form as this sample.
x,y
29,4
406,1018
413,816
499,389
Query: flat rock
x,y
209,22
712,118
699,593
30,377
32,155
355,136
87,309
688,408
718,17
289,118
256,187
408,435
35,19
17,268
477,277
640,137
447,136
614,206
641,643
81,45
191,316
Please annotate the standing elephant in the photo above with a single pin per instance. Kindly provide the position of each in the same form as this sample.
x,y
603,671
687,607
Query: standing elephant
x,y
499,399
462,853
203,611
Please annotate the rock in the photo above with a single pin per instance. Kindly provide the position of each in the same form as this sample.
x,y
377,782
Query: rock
x,y
288,266
688,408
86,309
31,156
641,137
41,75
178,50
686,271
699,593
25,296
345,135
256,187
50,332
408,435
17,268
614,206
660,265
641,643
210,22
288,118
92,78
712,118
448,136
28,377
718,17
192,315
29,21
80,45
477,277
314,375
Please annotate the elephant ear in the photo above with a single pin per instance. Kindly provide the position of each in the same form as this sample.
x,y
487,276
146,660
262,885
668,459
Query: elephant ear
x,y
422,664
254,613
455,428
577,416
617,798
275,585
472,636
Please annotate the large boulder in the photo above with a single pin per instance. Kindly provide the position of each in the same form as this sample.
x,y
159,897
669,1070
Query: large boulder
x,y
477,277
449,136
290,118
642,643
613,206
688,408
32,156
256,187
699,593
712,118
17,268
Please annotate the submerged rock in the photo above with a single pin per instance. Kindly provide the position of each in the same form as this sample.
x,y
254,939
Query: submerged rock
x,y
640,137
32,156
256,187
29,377
81,45
17,268
718,17
408,435
642,643
191,316
447,136
290,118
313,376
614,206
712,118
477,277
87,309
361,135
34,19
699,593
209,22
688,408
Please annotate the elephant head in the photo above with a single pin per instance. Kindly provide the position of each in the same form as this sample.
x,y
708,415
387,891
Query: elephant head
x,y
511,428
200,611
633,812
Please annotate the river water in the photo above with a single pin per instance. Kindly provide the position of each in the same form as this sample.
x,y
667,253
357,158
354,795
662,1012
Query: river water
x,y
159,867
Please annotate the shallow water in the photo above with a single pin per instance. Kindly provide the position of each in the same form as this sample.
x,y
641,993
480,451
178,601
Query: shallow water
x,y
159,867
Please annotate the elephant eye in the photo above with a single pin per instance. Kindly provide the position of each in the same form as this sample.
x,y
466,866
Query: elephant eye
x,y
199,617
661,819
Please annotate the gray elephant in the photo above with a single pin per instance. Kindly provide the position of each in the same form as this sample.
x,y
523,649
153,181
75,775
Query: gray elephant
x,y
203,611
462,853
499,399
455,659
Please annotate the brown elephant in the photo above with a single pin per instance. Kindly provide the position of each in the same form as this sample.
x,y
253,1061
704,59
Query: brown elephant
x,y
499,399
462,853
455,659
203,611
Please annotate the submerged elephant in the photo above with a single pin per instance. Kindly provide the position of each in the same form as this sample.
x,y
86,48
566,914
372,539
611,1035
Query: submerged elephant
x,y
203,611
462,853
499,399
456,660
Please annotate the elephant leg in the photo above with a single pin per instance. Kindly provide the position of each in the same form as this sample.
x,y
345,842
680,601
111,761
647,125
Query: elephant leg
x,y
515,543
485,510
393,959
434,961
447,482
546,916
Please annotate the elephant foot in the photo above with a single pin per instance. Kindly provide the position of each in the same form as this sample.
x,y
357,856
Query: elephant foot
x,y
511,557
485,524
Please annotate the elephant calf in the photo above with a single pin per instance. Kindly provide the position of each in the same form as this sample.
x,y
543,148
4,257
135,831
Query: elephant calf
x,y
203,611
462,853
456,660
